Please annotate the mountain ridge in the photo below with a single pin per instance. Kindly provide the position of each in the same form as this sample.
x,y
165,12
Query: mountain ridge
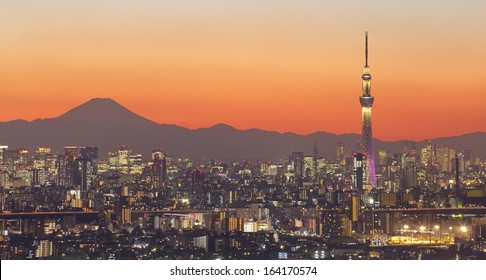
x,y
105,123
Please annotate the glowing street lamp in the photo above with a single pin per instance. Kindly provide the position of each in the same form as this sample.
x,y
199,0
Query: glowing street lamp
x,y
422,228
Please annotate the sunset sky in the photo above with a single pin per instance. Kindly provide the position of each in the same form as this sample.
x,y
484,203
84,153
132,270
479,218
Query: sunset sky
x,y
275,65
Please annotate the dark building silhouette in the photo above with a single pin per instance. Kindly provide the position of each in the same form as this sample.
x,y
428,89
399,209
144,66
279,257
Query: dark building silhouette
x,y
331,224
315,156
164,172
457,186
89,152
72,151
197,179
159,169
80,173
340,154
297,161
359,162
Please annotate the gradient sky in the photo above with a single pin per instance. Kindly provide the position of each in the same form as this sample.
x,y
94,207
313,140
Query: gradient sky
x,y
275,65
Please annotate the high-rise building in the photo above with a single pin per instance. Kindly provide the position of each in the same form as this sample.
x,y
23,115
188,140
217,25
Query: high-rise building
x,y
480,237
23,156
410,171
71,151
164,171
315,155
340,153
123,155
444,158
89,152
297,162
358,160
123,159
331,223
366,101
3,151
81,173
355,208
309,167
65,166
136,163
40,157
4,179
159,168
458,183
44,249
197,179
159,154
409,147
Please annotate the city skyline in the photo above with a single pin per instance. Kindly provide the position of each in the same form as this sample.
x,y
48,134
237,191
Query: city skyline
x,y
286,64
430,203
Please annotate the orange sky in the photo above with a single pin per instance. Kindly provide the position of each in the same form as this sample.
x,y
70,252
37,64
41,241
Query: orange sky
x,y
275,65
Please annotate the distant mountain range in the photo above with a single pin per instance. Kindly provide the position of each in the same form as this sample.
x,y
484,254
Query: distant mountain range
x,y
105,123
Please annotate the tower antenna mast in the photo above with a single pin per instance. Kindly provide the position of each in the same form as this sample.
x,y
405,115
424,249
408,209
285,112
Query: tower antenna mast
x,y
366,48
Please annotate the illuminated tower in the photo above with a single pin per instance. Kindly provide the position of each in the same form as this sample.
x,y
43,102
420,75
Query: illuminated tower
x,y
366,101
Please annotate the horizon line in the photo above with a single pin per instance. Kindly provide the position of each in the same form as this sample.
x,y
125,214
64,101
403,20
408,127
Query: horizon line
x,y
236,128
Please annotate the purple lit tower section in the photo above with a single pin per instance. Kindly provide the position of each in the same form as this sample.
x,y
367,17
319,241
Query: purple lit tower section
x,y
366,101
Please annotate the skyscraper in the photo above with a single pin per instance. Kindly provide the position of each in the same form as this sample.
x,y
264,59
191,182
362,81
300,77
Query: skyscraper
x,y
89,152
456,188
315,155
159,168
340,153
297,161
366,101
81,169
358,172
